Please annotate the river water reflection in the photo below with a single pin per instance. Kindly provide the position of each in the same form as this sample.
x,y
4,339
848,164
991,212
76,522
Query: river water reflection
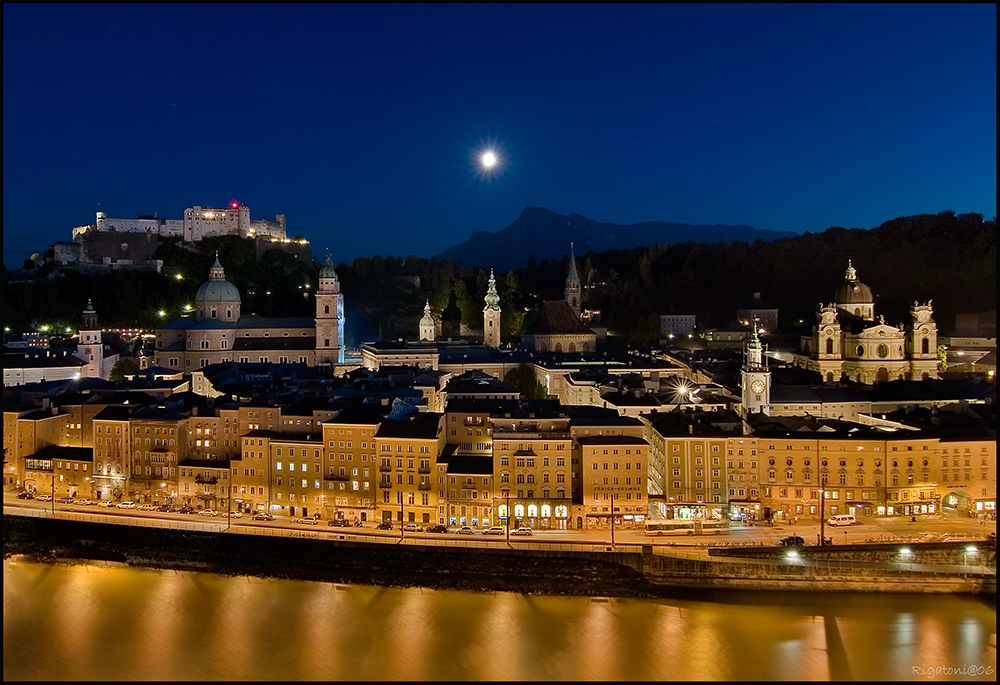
x,y
108,622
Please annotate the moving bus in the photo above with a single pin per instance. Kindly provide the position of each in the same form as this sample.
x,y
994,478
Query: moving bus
x,y
687,527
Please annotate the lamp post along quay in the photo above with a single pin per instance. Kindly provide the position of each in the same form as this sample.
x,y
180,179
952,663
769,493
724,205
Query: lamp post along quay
x,y
822,510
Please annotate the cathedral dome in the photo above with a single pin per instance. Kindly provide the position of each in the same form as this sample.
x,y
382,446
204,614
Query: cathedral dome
x,y
217,291
853,291
217,288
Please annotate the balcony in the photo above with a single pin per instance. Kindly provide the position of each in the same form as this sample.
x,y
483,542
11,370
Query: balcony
x,y
209,480
385,484
424,486
424,469
385,467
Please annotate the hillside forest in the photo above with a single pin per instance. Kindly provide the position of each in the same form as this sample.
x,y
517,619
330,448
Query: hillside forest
x,y
947,257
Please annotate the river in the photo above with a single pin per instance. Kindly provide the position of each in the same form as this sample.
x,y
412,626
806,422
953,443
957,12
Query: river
x,y
109,622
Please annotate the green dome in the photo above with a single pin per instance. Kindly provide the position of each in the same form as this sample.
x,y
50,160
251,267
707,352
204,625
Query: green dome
x,y
217,291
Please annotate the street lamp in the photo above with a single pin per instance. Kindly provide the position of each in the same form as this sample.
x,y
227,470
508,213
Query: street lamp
x,y
507,523
612,519
822,509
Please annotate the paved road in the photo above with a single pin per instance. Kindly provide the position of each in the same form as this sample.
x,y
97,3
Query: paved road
x,y
929,527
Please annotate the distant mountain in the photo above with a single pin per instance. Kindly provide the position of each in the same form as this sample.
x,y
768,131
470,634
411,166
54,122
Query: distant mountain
x,y
547,235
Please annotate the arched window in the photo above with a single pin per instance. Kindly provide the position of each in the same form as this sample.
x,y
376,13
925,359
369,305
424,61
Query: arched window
x,y
572,347
326,309
925,346
829,345
532,510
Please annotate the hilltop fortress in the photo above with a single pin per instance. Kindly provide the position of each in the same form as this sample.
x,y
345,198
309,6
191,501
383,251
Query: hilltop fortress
x,y
112,243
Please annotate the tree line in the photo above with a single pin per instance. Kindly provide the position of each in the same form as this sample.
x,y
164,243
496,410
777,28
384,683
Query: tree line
x,y
947,257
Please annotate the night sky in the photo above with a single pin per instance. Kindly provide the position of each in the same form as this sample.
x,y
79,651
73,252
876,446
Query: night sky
x,y
363,124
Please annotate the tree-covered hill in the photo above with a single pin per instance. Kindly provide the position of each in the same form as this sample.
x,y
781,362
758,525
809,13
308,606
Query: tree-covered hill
x,y
945,257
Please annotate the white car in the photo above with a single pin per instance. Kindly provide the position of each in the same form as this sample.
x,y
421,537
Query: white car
x,y
126,505
208,512
147,507
466,530
83,502
493,530
521,531
234,515
412,528
43,498
308,520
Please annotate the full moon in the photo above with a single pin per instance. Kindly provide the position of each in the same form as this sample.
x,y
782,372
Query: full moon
x,y
489,159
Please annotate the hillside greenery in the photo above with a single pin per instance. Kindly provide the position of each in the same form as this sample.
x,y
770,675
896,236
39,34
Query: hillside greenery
x,y
947,257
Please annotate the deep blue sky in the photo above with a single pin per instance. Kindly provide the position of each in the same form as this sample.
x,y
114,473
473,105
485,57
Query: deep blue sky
x,y
361,122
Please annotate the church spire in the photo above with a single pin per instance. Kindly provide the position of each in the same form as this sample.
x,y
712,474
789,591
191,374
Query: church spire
x,y
492,299
491,315
573,290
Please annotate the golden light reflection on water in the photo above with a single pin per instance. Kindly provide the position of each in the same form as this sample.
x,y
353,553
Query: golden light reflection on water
x,y
114,623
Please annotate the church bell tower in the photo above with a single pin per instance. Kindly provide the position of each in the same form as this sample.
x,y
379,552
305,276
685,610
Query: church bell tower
x,y
491,315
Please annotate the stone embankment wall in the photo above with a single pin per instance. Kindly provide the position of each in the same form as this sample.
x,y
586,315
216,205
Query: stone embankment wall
x,y
554,572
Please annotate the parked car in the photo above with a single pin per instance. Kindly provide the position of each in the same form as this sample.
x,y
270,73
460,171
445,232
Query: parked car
x,y
234,515
165,507
523,530
493,530
466,530
308,520
126,505
438,529
842,520
25,495
208,512
185,510
105,503
339,523
263,516
64,500
147,507
792,541
385,525
83,502
44,498
412,528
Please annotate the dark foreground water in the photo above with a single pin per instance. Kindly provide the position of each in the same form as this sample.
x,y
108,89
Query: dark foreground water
x,y
97,622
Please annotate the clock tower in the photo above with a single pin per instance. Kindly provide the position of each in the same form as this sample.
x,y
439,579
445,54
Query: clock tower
x,y
755,378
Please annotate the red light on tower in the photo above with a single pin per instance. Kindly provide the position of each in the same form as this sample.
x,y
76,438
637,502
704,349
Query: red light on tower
x,y
234,204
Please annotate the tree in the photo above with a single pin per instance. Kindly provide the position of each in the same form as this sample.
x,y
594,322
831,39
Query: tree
x,y
125,366
523,379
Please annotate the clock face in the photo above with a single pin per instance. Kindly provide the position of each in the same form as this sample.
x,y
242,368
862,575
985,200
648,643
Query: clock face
x,y
757,387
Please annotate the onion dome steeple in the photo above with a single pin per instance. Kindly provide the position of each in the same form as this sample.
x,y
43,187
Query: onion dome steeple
x,y
492,299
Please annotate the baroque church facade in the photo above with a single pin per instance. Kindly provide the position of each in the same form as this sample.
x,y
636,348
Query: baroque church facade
x,y
849,342
218,332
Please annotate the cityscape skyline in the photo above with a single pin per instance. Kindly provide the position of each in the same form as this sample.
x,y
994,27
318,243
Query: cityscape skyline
x,y
358,121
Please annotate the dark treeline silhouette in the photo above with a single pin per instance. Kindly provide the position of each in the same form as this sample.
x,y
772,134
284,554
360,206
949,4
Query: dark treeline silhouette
x,y
945,257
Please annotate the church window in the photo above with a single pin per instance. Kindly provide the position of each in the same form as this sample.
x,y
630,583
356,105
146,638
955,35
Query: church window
x,y
861,350
924,346
326,342
326,309
882,351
